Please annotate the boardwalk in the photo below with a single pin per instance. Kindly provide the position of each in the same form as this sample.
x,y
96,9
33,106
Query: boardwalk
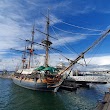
x,y
105,104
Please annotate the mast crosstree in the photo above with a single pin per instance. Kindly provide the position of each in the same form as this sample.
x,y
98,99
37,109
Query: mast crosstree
x,y
47,42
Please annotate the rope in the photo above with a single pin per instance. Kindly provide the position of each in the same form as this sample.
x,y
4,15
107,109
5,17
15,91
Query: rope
x,y
63,56
64,44
78,26
74,33
96,51
81,27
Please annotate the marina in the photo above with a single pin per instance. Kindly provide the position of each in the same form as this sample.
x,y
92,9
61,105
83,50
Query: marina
x,y
54,55
46,77
13,96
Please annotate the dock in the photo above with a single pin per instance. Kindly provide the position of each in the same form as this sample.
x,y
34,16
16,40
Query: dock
x,y
68,86
7,76
90,79
105,103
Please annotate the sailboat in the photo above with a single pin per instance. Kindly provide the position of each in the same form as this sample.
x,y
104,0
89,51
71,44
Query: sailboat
x,y
46,78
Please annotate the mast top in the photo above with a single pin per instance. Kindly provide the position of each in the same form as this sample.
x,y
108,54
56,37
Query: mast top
x,y
47,42
31,48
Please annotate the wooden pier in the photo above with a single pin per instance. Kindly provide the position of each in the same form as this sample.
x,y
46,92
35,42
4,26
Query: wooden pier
x,y
5,76
105,104
68,86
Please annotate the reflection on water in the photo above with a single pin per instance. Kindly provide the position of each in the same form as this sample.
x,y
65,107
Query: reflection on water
x,y
13,97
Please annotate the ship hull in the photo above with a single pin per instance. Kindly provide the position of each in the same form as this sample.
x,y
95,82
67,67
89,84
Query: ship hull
x,y
31,84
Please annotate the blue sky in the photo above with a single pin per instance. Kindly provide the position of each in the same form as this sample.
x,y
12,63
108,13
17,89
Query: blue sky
x,y
76,24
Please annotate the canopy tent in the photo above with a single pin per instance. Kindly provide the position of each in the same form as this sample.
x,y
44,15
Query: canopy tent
x,y
50,69
39,68
27,71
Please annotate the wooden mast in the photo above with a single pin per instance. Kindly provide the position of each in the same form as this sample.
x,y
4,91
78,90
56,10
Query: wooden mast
x,y
47,46
47,42
82,54
31,49
24,57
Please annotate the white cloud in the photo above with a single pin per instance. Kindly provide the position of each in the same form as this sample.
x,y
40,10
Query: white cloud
x,y
16,19
99,60
62,40
96,64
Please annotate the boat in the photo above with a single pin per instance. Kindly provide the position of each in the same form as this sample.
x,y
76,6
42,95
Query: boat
x,y
45,77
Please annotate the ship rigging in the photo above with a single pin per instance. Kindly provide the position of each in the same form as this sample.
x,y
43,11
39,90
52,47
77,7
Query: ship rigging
x,y
47,78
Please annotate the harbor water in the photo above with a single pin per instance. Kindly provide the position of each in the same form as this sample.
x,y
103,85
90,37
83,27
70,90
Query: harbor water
x,y
13,97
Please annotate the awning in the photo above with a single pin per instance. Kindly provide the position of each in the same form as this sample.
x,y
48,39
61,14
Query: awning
x,y
50,69
27,71
39,68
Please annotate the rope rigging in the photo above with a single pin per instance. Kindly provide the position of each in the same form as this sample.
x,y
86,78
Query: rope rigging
x,y
63,56
69,50
95,30
74,32
77,26
96,51
64,44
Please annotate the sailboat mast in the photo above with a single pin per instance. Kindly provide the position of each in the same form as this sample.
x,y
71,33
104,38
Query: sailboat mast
x,y
24,57
31,49
47,45
47,42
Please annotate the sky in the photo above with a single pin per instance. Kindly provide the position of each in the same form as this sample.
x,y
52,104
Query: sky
x,y
75,23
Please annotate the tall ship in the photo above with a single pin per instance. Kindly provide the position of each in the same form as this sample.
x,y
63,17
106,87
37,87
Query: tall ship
x,y
45,77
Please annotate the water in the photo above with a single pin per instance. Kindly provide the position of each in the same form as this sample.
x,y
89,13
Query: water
x,y
13,97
